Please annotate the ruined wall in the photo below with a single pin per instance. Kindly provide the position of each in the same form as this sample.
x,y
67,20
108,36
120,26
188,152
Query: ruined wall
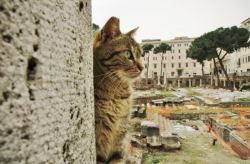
x,y
46,100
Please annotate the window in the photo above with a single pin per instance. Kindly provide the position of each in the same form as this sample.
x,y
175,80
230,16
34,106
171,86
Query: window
x,y
179,51
179,65
155,74
172,65
155,65
164,65
172,57
194,64
172,51
145,65
179,57
172,73
186,64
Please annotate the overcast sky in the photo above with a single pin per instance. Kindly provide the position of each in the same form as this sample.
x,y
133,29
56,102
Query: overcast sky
x,y
166,19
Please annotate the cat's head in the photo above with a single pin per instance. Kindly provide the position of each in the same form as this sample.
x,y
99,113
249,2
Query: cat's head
x,y
117,52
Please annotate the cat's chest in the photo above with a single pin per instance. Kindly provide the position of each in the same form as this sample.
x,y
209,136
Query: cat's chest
x,y
116,107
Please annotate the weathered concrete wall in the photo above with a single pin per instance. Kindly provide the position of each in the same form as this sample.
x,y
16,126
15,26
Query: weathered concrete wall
x,y
46,100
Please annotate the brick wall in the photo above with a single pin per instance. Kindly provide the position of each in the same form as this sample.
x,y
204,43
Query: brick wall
x,y
46,100
240,146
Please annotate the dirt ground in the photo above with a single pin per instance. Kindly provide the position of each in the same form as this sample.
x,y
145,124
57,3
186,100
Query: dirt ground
x,y
196,148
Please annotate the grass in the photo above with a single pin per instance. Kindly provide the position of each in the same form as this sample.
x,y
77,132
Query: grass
x,y
244,100
167,94
191,93
195,149
164,93
187,155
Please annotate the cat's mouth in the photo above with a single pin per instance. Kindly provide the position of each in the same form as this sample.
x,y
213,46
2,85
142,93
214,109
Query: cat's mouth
x,y
132,73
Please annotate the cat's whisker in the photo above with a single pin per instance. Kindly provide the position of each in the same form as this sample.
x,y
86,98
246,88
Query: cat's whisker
x,y
117,87
103,74
107,76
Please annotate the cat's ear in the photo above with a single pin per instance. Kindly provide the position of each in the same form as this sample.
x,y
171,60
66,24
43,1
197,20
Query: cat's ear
x,y
132,32
111,29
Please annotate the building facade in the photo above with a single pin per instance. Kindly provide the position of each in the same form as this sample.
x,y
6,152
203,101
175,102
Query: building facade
x,y
172,68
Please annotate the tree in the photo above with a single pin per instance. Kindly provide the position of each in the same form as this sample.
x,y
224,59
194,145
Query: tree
x,y
146,48
228,40
95,27
197,52
201,49
218,43
162,48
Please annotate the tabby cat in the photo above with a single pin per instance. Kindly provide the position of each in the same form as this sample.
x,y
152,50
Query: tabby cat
x,y
116,64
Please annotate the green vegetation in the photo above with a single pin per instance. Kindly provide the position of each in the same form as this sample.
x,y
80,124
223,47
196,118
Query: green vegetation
x,y
95,27
188,155
195,149
184,110
215,45
159,93
146,48
191,93
167,94
244,100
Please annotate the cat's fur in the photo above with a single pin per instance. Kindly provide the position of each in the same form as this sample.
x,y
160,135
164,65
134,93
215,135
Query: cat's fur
x,y
116,64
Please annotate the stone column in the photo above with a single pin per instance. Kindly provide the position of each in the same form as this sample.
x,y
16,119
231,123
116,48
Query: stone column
x,y
164,79
216,82
190,83
224,82
200,82
46,93
193,82
178,83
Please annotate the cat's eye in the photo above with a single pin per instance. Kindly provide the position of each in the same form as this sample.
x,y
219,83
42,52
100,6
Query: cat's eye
x,y
129,54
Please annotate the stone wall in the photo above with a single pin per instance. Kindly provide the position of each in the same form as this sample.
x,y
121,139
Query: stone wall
x,y
46,82
190,116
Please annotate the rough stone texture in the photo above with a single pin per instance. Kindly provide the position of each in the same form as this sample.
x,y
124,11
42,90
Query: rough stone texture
x,y
46,82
